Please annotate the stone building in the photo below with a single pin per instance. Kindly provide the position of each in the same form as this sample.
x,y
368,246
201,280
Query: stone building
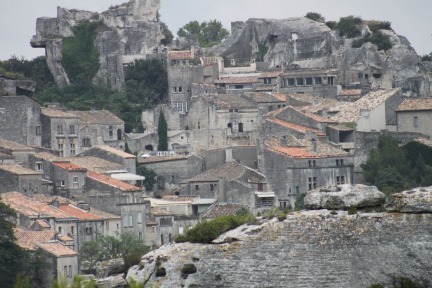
x,y
267,102
165,232
375,111
96,164
317,82
113,155
60,132
414,115
16,87
295,166
20,120
171,171
100,127
268,81
232,182
19,152
19,178
232,84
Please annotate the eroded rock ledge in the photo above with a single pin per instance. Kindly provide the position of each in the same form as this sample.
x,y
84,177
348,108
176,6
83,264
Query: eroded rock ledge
x,y
319,248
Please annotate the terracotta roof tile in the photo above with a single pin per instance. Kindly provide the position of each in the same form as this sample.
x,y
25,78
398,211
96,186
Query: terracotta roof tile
x,y
415,104
49,157
57,249
82,215
115,151
315,117
350,92
295,127
30,239
180,55
18,170
223,209
264,98
125,187
56,113
69,166
352,111
97,117
237,80
94,164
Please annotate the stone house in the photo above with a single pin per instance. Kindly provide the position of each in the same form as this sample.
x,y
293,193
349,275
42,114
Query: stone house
x,y
113,155
165,227
100,127
267,102
20,120
18,151
317,82
245,155
95,164
375,111
69,179
61,261
231,182
19,178
238,84
134,219
295,166
61,132
171,171
414,115
6,158
268,81
35,215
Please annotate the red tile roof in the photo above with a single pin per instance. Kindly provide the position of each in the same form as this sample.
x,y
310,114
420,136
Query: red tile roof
x,y
56,113
237,80
125,187
180,55
30,239
82,215
295,127
19,170
415,104
57,249
69,166
115,151
350,92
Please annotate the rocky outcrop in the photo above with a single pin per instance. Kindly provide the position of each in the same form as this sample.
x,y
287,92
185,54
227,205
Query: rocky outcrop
x,y
417,200
117,281
308,249
304,43
343,197
134,32
110,267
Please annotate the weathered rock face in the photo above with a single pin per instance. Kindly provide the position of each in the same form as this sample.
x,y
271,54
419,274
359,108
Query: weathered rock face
x,y
417,200
303,43
110,267
117,281
134,33
343,197
308,249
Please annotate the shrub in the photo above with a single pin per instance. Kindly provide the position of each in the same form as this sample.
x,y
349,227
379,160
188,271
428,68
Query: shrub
x,y
315,17
299,203
189,269
352,210
349,26
332,25
374,26
206,231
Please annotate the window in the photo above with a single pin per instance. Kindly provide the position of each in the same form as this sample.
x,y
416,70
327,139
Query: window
x,y
309,81
70,271
238,86
199,125
240,127
88,230
72,230
312,163
230,126
38,130
169,238
340,180
175,89
416,122
60,229
71,129
65,271
165,222
290,82
339,162
75,181
162,240
62,183
196,187
125,221
86,142
60,129
119,134
38,166
270,108
111,131
72,148
312,183
60,147
267,81
318,80
180,89
131,220
107,226
139,218
139,235
211,187
300,81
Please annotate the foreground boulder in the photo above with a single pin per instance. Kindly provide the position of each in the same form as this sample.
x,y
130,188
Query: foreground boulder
x,y
117,281
418,200
308,249
343,197
110,267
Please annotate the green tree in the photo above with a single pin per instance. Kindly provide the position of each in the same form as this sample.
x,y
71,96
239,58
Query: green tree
x,y
167,33
315,16
162,132
150,176
427,57
349,26
208,34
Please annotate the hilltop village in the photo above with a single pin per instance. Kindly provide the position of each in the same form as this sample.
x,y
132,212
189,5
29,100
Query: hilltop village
x,y
242,131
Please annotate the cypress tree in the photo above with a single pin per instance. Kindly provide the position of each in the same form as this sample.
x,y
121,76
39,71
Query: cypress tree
x,y
162,133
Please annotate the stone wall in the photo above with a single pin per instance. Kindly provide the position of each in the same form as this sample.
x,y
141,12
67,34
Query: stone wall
x,y
406,122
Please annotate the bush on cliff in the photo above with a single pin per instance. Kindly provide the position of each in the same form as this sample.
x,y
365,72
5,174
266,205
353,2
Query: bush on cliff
x,y
207,231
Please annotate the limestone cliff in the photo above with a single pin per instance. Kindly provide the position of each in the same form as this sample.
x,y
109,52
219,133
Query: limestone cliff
x,y
134,32
308,249
304,43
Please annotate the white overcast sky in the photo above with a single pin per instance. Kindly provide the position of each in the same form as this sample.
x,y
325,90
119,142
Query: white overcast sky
x,y
411,18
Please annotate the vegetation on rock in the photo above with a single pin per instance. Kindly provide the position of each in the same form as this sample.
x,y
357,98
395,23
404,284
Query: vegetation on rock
x,y
315,16
208,34
349,26
207,231
427,57
404,282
